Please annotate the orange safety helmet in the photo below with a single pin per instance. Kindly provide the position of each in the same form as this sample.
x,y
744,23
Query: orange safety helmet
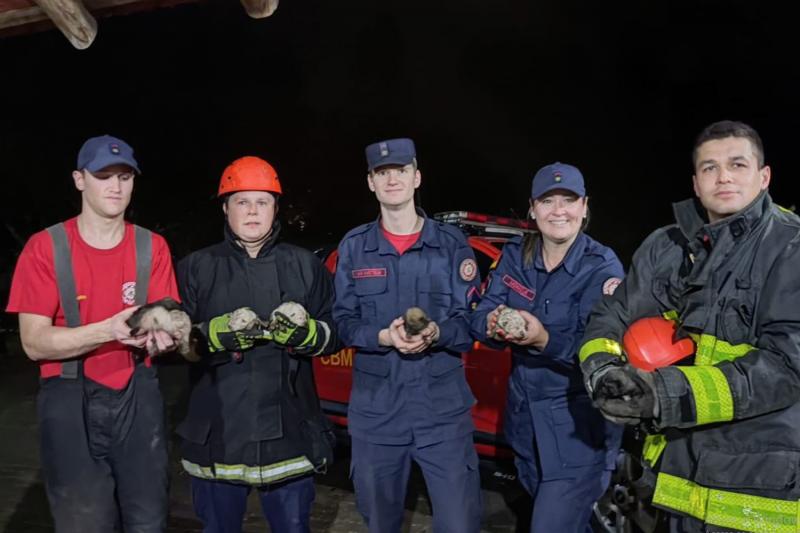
x,y
249,173
650,344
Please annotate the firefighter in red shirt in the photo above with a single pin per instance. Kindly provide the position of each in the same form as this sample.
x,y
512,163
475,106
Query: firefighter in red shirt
x,y
101,415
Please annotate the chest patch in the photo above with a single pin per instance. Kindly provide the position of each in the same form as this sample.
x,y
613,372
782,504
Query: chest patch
x,y
519,288
362,273
129,292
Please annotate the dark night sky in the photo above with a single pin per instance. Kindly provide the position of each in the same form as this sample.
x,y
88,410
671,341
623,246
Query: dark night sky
x,y
490,91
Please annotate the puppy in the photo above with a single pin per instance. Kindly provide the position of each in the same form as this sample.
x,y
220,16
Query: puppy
x,y
415,320
165,314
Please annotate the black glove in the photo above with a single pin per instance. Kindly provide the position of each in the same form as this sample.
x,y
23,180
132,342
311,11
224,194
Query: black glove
x,y
626,395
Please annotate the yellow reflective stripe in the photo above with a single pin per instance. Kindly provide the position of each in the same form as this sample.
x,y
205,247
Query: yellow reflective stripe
x,y
254,475
712,394
712,351
195,470
744,512
594,346
681,495
672,315
653,448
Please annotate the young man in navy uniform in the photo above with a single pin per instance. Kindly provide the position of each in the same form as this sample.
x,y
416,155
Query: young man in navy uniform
x,y
410,399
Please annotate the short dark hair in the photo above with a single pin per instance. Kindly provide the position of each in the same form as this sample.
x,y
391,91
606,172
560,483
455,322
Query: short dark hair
x,y
730,128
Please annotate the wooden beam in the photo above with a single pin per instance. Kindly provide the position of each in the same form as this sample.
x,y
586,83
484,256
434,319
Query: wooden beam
x,y
19,17
73,19
259,9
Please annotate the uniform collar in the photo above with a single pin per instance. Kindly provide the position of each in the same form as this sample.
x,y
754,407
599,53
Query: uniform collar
x,y
375,240
571,261
693,222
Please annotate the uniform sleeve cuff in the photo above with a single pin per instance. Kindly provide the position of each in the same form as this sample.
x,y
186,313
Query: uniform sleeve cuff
x,y
557,347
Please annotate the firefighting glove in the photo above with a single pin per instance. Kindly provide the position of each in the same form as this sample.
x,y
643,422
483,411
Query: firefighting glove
x,y
310,338
288,333
626,395
221,337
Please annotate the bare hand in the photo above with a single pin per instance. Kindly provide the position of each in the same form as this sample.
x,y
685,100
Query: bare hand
x,y
491,324
158,342
120,331
405,343
431,332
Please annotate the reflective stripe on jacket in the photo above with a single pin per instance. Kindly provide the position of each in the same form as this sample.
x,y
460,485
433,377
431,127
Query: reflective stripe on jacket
x,y
731,419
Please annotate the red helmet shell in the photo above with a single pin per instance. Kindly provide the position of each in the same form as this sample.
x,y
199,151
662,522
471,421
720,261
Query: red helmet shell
x,y
650,344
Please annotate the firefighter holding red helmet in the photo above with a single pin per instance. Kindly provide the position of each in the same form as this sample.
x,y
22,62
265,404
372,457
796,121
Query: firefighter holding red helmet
x,y
254,420
724,424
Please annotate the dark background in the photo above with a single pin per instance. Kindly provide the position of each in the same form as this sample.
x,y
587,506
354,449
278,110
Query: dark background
x,y
490,91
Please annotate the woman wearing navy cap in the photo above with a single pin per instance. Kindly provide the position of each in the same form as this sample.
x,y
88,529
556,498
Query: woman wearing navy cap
x,y
564,448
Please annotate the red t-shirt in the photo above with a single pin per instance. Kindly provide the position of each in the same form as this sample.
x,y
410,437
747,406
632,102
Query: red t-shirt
x,y
105,281
401,243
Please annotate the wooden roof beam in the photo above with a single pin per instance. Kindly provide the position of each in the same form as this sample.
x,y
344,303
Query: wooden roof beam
x,y
73,19
259,9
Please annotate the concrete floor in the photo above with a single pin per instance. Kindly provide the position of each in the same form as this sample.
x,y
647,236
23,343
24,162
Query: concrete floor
x,y
23,503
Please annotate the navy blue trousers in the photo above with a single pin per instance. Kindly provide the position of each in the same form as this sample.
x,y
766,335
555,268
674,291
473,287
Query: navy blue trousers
x,y
563,505
221,506
450,468
104,454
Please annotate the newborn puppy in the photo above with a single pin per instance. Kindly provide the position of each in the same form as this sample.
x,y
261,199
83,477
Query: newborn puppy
x,y
512,323
415,320
165,314
293,311
244,319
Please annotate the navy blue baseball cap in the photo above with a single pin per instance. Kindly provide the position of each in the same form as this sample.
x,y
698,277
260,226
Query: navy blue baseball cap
x,y
557,176
98,153
390,152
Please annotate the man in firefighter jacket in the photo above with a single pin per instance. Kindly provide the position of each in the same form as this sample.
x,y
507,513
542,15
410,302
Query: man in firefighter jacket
x,y
410,400
254,419
726,425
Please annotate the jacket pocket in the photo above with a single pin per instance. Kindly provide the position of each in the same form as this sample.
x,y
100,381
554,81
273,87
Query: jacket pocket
x,y
371,390
735,321
369,286
774,470
435,293
320,442
579,430
448,391
195,431
369,290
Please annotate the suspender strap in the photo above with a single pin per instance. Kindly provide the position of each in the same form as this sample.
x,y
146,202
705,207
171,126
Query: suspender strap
x,y
62,259
65,278
144,255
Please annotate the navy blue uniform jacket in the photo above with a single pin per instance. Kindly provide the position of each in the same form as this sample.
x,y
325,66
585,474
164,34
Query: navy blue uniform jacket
x,y
548,407
399,399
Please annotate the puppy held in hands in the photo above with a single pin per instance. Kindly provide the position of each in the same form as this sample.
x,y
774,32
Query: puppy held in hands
x,y
163,315
415,320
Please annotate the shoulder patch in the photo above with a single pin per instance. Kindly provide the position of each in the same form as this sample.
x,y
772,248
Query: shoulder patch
x,y
468,269
611,285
